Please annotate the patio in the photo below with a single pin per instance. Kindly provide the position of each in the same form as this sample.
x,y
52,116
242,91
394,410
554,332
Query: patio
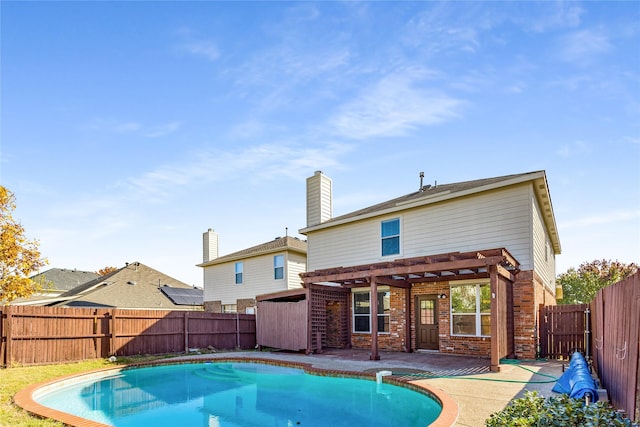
x,y
468,380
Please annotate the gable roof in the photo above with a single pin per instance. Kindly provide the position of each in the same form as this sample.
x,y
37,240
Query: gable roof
x,y
63,279
442,192
133,286
279,244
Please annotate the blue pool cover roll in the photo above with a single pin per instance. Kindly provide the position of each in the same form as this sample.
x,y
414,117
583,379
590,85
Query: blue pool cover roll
x,y
576,381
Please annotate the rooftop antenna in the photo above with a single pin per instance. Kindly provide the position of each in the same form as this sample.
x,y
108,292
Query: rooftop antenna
x,y
421,179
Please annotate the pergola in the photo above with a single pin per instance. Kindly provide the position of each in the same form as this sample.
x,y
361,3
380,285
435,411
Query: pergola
x,y
498,265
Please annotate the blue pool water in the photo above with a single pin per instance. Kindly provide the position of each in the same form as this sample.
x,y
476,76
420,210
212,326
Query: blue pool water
x,y
239,394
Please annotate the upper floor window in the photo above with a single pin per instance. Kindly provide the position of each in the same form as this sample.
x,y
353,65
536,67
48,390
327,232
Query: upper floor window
x,y
239,272
278,267
471,310
390,233
362,311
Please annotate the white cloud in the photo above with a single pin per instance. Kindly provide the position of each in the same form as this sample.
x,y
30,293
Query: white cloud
x,y
576,148
204,48
394,106
163,130
559,14
581,47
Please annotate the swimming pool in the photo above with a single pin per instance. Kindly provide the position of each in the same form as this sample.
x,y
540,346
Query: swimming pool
x,y
236,393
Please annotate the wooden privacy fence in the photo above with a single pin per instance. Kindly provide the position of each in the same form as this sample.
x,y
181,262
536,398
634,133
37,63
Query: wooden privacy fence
x,y
616,338
562,330
39,335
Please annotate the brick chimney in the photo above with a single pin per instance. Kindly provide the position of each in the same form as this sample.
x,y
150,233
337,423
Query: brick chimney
x,y
319,199
209,245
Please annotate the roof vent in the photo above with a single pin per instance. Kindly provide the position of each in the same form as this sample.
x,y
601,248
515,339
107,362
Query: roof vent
x,y
130,282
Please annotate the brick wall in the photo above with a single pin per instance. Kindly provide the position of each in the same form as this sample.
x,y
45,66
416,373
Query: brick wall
x,y
213,306
394,340
529,293
334,326
243,304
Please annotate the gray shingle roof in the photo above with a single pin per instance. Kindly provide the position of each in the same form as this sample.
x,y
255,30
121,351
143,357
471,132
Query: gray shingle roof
x,y
132,286
63,279
279,244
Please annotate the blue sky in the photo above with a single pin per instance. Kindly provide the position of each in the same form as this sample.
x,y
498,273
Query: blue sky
x,y
130,128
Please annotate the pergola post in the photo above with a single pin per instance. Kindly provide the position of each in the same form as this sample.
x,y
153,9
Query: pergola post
x,y
373,309
407,319
496,300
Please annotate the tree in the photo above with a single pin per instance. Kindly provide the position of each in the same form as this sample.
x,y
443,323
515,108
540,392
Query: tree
x,y
105,270
581,286
19,257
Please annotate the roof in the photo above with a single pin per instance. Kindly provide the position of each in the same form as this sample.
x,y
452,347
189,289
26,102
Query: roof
x,y
279,244
133,286
443,192
63,279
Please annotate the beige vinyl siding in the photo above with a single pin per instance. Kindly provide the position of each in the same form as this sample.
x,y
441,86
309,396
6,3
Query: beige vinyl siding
x,y
494,219
543,254
219,280
295,264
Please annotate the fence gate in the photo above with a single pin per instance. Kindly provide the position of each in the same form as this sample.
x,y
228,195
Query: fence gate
x,y
563,329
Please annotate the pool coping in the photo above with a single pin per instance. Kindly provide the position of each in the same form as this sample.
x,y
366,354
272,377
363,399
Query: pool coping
x,y
25,397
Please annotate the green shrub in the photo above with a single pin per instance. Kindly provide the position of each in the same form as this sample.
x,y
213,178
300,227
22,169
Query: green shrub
x,y
534,411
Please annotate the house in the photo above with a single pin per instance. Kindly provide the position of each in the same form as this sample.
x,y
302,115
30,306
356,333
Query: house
x,y
231,282
53,283
134,286
456,268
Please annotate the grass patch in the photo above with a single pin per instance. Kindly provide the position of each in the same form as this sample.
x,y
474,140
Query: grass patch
x,y
14,379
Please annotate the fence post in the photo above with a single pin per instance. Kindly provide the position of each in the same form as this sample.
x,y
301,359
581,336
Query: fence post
x,y
8,357
186,332
587,333
237,330
112,326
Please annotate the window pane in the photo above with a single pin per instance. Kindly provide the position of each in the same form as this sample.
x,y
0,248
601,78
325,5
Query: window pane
x,y
485,321
278,273
391,228
361,303
239,268
361,323
485,299
464,324
384,302
278,261
383,323
391,246
427,312
463,299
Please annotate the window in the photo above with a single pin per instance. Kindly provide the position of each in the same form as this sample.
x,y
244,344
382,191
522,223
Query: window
x,y
229,308
390,232
471,310
239,271
278,267
362,311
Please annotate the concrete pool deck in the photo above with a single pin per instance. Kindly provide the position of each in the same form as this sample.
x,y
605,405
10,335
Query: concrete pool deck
x,y
478,395
469,392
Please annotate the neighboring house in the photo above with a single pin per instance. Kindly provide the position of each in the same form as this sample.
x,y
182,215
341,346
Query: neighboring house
x,y
232,282
455,268
53,283
134,286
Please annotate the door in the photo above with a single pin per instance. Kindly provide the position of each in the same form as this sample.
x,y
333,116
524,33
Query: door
x,y
427,336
